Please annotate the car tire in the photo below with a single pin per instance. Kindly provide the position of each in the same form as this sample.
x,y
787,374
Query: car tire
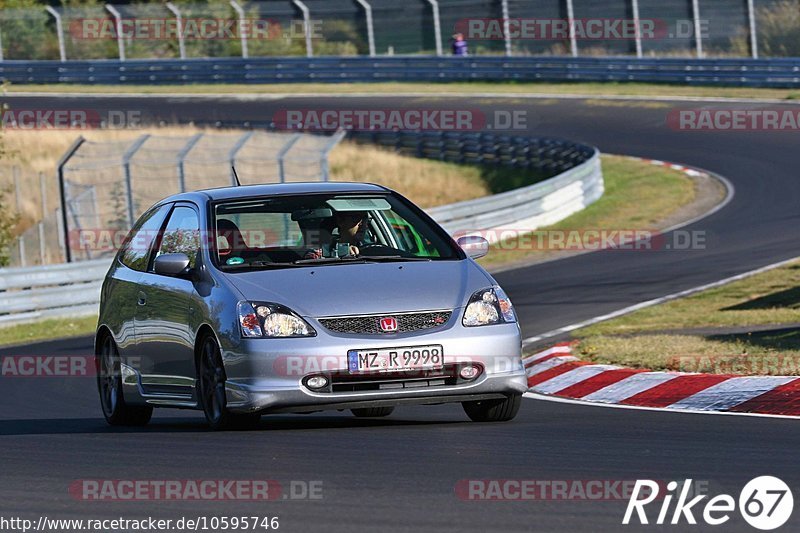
x,y
372,412
109,385
211,391
493,410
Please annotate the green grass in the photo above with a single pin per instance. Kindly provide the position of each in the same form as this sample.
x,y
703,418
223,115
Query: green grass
x,y
772,297
637,195
47,329
745,327
524,88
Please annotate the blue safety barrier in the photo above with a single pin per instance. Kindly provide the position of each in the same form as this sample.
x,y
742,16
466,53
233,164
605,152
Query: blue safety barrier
x,y
729,72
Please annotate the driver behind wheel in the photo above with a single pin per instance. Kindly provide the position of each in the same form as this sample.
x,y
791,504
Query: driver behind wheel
x,y
352,227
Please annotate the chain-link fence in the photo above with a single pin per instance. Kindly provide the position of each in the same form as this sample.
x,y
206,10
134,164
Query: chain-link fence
x,y
108,185
233,28
41,242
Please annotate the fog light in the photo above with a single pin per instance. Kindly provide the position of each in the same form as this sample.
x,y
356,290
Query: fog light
x,y
317,382
469,372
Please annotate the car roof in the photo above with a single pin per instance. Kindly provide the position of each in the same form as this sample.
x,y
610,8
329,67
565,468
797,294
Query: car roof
x,y
277,189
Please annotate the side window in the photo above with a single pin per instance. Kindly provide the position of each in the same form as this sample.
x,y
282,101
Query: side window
x,y
182,234
135,251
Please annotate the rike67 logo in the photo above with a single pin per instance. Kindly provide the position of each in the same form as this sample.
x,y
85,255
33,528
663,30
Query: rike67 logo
x,y
765,503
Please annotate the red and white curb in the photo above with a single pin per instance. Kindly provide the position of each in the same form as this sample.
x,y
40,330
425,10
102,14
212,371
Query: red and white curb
x,y
556,372
689,171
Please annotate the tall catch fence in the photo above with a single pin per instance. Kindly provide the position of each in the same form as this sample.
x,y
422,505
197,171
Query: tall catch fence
x,y
106,186
235,28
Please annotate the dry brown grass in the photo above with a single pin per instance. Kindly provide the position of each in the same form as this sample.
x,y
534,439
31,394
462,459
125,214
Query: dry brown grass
x,y
745,327
428,183
766,354
425,182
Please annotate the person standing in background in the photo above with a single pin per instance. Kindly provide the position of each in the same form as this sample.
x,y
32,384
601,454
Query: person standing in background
x,y
459,45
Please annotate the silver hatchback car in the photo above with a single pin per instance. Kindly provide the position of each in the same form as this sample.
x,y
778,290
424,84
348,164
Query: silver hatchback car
x,y
303,297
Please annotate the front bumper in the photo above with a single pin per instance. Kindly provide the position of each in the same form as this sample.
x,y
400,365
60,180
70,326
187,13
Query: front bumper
x,y
266,375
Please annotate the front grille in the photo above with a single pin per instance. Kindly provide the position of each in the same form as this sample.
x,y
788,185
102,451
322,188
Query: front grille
x,y
370,324
412,379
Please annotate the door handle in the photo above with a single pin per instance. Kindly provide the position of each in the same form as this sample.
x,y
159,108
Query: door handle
x,y
142,299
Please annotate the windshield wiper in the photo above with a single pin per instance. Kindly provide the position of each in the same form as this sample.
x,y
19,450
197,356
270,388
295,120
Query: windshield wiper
x,y
327,260
394,258
257,264
358,259
323,261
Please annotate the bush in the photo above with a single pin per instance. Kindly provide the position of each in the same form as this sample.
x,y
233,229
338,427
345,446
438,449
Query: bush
x,y
778,28
8,218
8,221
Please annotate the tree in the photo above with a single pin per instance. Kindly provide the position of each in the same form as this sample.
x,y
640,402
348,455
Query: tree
x,y
8,221
8,218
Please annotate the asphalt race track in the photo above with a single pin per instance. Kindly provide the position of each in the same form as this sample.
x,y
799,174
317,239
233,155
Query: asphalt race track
x,y
400,474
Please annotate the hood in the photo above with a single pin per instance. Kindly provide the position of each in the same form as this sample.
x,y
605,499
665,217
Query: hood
x,y
363,289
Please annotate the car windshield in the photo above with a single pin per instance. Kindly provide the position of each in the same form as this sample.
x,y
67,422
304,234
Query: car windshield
x,y
324,229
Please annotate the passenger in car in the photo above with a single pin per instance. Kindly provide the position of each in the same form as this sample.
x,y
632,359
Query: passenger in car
x,y
233,242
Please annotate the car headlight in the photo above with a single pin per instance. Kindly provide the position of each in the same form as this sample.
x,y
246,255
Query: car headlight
x,y
489,306
259,320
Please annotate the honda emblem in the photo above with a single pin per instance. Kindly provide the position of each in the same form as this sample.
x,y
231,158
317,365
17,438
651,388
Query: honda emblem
x,y
388,324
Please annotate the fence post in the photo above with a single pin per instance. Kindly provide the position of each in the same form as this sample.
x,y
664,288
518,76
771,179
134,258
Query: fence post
x,y
179,19
1,47
698,38
306,26
637,25
242,33
120,39
126,169
59,31
282,155
506,27
60,231
235,150
43,196
62,193
182,157
335,139
751,15
573,41
370,26
437,26
21,237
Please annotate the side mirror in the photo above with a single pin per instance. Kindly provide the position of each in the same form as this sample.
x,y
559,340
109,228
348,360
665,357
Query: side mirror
x,y
474,245
171,264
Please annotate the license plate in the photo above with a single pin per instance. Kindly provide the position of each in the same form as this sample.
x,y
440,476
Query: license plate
x,y
395,359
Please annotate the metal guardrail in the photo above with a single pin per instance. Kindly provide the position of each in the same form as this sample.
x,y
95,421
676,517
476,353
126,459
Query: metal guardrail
x,y
526,208
740,72
73,289
53,291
